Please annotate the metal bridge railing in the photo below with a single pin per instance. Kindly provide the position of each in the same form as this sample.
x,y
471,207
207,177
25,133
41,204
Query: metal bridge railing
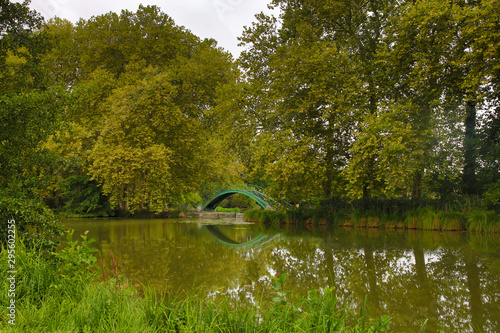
x,y
250,190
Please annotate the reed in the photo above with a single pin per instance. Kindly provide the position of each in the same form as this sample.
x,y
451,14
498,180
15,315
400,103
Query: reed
x,y
266,216
451,221
421,218
483,221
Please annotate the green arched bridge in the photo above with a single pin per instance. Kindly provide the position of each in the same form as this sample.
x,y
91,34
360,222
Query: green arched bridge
x,y
250,191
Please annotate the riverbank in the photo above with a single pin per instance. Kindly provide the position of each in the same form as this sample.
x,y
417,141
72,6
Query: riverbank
x,y
420,219
219,215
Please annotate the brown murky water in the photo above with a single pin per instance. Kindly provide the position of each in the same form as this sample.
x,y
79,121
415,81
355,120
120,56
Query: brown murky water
x,y
452,280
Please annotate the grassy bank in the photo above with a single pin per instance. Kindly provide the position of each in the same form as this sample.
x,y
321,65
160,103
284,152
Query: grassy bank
x,y
70,292
227,210
470,218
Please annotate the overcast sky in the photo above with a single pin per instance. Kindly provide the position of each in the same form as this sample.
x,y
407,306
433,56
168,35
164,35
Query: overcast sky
x,y
222,20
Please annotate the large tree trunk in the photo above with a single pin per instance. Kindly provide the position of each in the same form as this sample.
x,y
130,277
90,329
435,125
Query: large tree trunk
x,y
469,171
417,185
327,186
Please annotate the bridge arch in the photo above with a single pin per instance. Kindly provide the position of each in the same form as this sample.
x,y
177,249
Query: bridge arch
x,y
260,198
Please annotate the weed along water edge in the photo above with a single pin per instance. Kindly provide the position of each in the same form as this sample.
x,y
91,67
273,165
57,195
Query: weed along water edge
x,y
447,280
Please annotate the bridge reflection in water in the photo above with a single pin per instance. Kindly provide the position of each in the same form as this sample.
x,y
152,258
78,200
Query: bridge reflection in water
x,y
260,240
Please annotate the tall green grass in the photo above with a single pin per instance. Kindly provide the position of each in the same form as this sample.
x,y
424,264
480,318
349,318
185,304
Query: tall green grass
x,y
265,216
100,303
291,216
483,221
422,218
227,210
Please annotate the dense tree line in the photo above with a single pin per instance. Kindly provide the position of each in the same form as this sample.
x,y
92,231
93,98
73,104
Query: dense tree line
x,y
351,99
375,98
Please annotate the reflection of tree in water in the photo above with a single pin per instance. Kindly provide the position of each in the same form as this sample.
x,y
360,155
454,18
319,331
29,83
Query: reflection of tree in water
x,y
451,277
410,279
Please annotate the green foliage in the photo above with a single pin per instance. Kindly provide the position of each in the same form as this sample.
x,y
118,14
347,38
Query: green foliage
x,y
371,101
37,269
463,214
84,197
193,199
26,120
227,210
483,221
337,99
314,83
34,221
238,200
390,138
491,196
20,49
140,112
18,18
29,113
489,150
114,41
76,262
281,295
265,216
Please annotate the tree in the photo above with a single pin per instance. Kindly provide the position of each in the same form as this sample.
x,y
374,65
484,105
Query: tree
x,y
134,153
315,78
444,60
17,18
481,31
62,60
489,151
28,115
26,120
141,117
21,46
415,54
114,41
390,139
157,137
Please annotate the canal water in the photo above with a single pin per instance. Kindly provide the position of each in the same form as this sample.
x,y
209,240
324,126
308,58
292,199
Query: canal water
x,y
449,280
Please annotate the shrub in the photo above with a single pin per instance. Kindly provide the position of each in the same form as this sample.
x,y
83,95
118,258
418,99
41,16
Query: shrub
x,y
34,221
227,210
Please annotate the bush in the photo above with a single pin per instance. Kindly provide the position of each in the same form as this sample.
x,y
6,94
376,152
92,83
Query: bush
x,y
227,210
84,198
491,196
34,221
